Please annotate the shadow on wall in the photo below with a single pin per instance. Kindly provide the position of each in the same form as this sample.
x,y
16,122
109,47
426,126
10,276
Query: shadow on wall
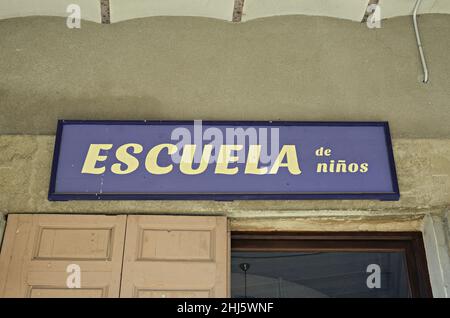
x,y
51,108
282,68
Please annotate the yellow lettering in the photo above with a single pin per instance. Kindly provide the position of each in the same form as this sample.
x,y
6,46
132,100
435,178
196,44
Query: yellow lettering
x,y
291,163
225,157
254,153
187,159
93,156
364,167
322,167
124,157
151,161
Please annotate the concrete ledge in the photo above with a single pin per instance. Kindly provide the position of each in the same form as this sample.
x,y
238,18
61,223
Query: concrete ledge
x,y
329,224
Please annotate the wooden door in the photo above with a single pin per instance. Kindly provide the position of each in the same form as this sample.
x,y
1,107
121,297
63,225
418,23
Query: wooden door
x,y
175,256
37,250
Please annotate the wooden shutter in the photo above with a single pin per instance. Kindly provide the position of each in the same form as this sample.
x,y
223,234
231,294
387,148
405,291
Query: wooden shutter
x,y
175,256
38,248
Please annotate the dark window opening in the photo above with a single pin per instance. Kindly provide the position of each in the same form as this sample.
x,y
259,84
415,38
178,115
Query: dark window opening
x,y
375,265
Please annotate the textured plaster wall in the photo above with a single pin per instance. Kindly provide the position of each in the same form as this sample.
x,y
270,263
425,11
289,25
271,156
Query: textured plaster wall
x,y
281,68
423,167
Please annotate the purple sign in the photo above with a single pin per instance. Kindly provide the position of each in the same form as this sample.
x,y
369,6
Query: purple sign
x,y
133,160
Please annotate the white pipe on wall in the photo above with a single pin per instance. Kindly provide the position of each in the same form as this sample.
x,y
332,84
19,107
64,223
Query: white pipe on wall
x,y
419,43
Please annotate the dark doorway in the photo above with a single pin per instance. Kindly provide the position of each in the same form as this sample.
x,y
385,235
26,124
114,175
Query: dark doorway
x,y
345,264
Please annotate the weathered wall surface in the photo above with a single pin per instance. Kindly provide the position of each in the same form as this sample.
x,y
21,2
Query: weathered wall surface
x,y
281,68
423,168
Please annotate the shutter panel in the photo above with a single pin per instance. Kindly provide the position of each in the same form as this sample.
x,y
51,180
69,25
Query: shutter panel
x,y
175,256
38,248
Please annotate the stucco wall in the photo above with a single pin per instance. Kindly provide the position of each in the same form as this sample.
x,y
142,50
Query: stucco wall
x,y
281,68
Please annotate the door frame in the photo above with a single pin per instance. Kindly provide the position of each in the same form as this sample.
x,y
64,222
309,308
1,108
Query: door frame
x,y
411,243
